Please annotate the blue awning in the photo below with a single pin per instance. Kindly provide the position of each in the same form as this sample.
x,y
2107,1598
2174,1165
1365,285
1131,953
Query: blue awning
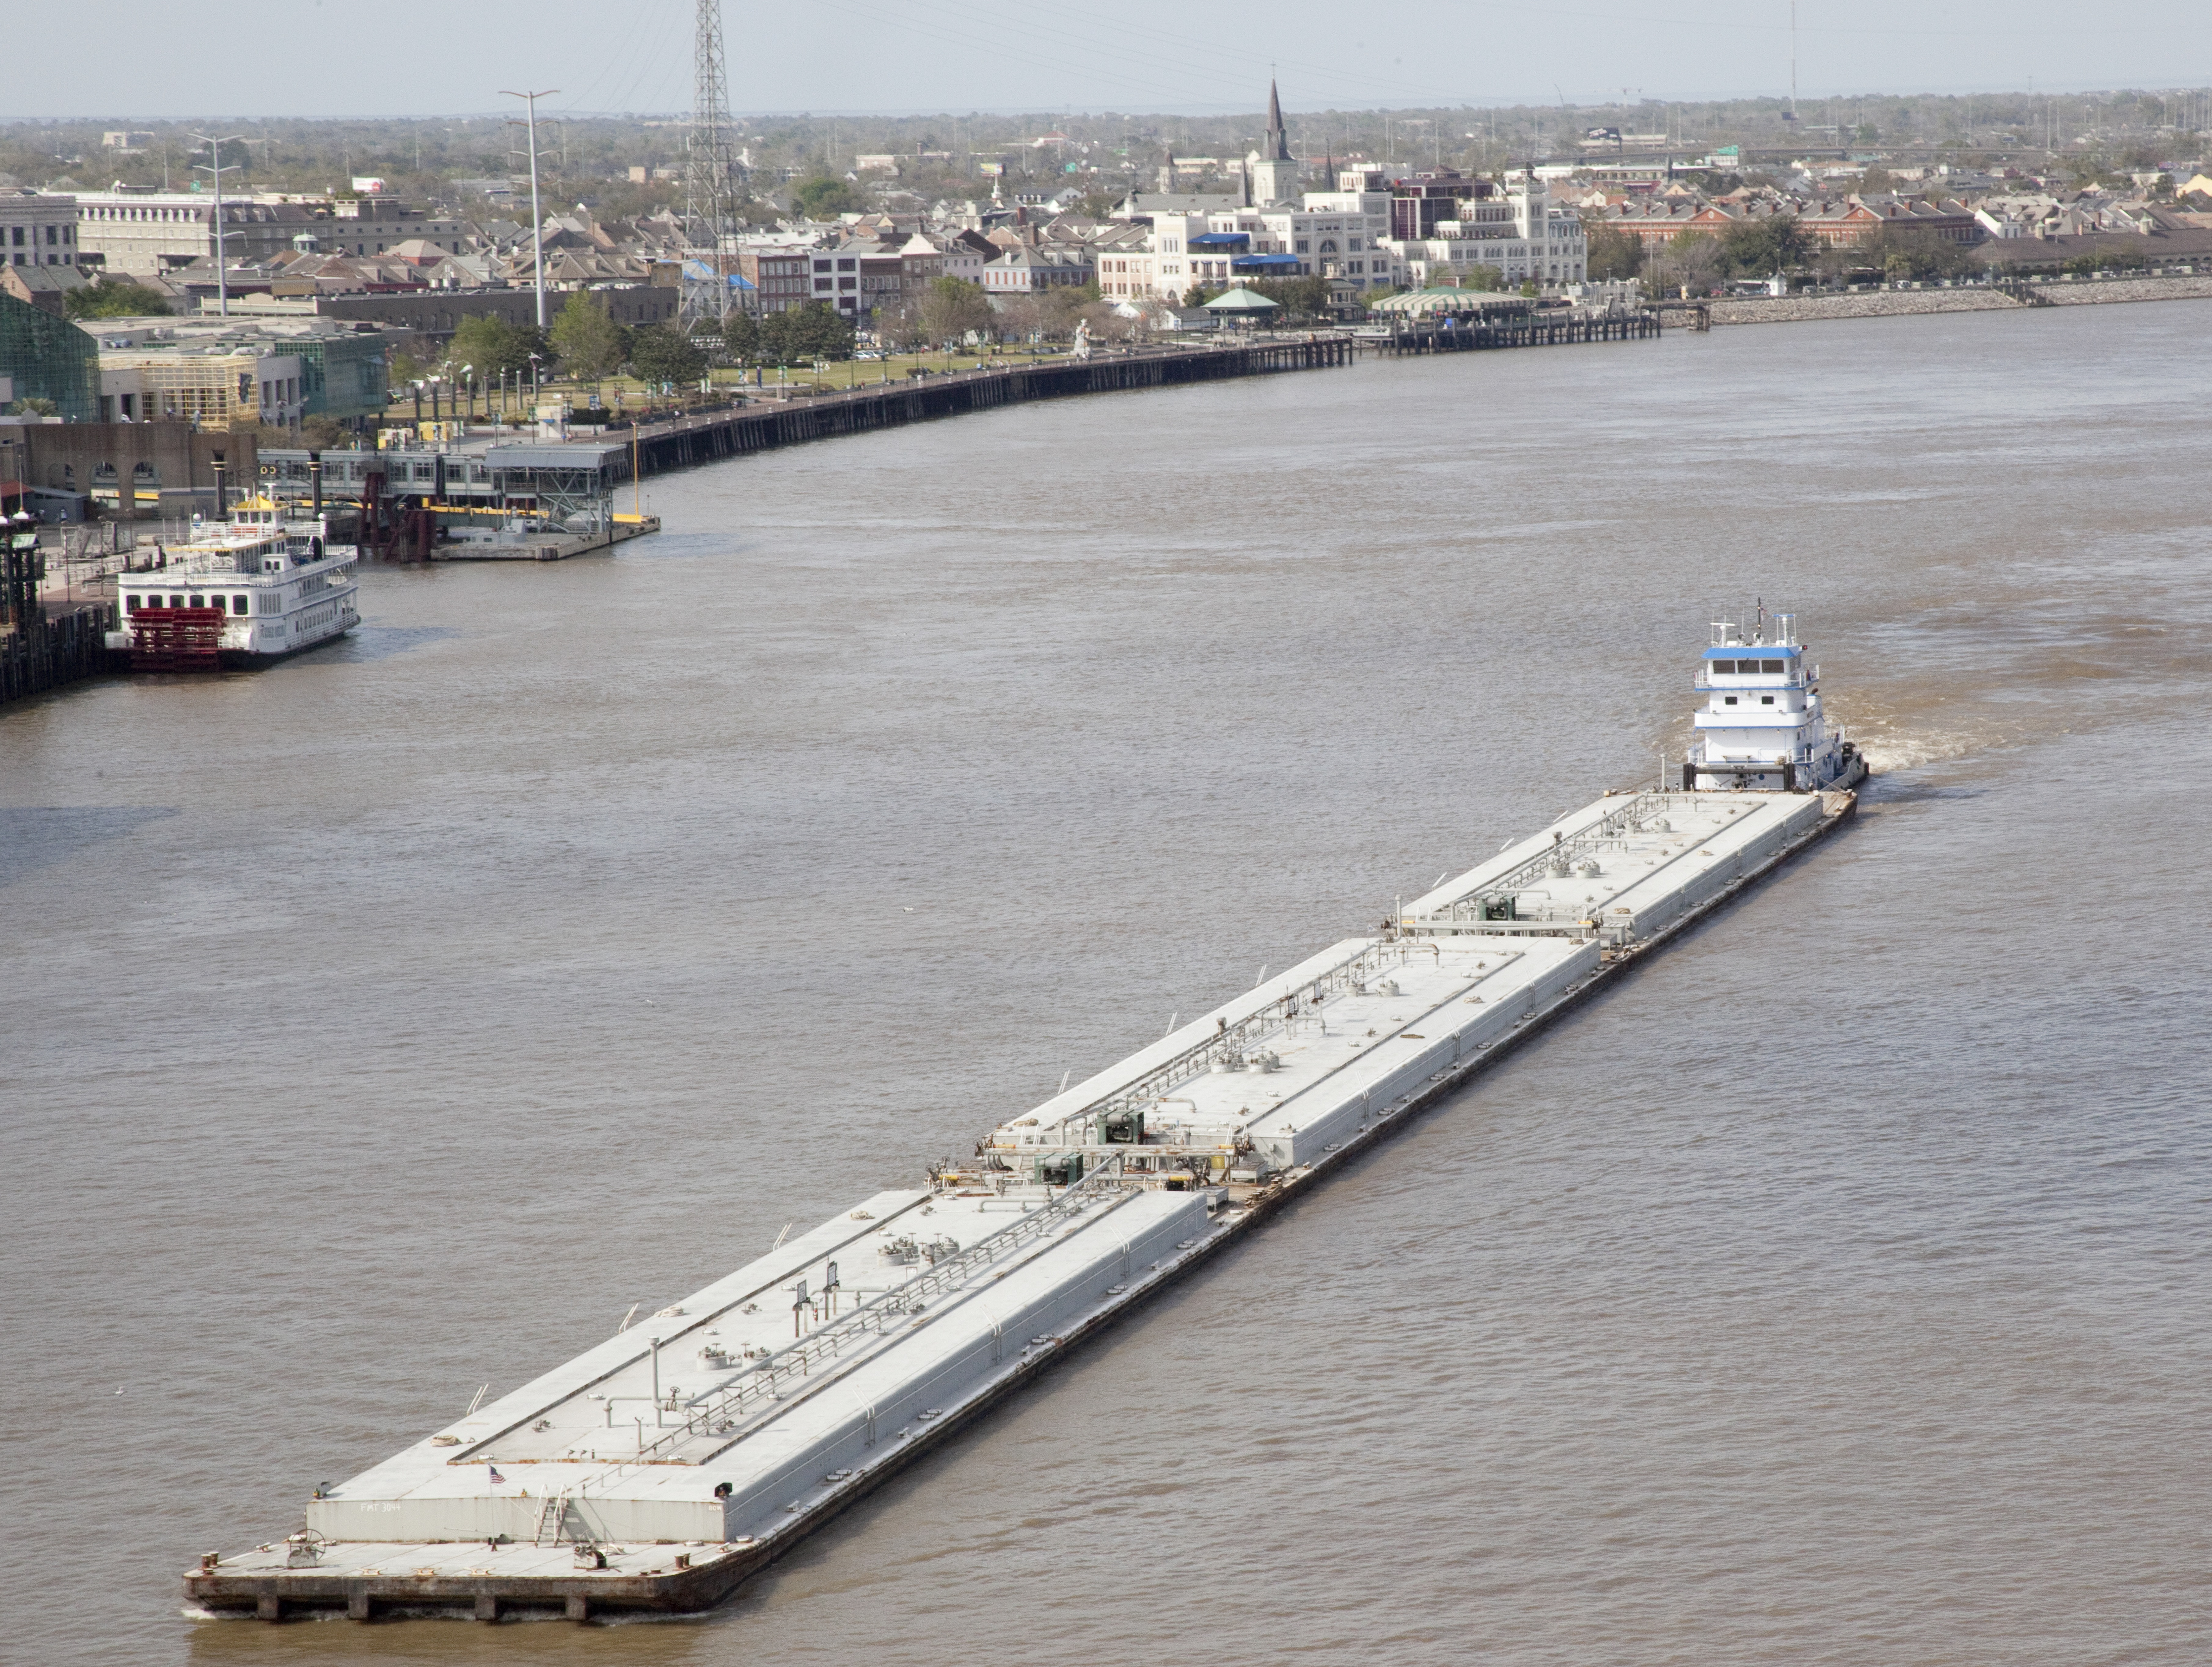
x,y
1280,265
1221,240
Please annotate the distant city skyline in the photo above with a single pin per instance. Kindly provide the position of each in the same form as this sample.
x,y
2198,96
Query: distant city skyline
x,y
856,57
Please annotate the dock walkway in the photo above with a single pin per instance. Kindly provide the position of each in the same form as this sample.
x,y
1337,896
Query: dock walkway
x,y
1519,330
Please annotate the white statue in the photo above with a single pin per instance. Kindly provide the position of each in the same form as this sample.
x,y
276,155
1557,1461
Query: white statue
x,y
1083,338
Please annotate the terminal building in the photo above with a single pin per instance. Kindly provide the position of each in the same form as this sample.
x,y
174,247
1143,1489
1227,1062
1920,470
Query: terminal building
x,y
216,371
151,232
37,227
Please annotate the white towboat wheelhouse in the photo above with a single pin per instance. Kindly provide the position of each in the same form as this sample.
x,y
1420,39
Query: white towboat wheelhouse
x,y
1761,728
246,590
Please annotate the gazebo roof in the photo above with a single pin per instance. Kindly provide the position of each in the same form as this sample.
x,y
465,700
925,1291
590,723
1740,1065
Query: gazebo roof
x,y
1240,300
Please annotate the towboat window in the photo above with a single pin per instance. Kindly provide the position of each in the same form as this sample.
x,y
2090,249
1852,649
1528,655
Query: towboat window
x,y
1766,700
133,602
1730,699
1725,667
239,604
199,601
1770,666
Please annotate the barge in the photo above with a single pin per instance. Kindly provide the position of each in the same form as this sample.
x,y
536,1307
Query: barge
x,y
660,1469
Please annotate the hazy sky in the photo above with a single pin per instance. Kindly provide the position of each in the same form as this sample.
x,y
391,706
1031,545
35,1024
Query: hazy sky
x,y
297,58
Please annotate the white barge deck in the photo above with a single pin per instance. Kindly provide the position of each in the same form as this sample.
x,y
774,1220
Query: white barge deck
x,y
660,1468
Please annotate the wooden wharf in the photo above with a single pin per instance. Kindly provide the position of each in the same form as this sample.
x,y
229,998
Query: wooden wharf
x,y
1516,328
764,422
43,647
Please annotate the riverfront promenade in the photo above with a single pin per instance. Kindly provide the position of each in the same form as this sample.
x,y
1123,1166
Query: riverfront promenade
x,y
1893,303
763,424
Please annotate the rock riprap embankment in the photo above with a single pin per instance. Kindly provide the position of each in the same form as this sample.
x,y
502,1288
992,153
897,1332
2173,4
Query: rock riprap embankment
x,y
1887,303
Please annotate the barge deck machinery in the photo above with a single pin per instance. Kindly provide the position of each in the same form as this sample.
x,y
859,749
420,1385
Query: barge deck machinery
x,y
659,1469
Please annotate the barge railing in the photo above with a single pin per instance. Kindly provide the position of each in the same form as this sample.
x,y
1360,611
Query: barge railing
x,y
1232,1043
762,1387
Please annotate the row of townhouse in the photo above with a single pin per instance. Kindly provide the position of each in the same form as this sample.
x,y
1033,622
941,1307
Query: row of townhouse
x,y
857,275
869,268
1832,222
2042,216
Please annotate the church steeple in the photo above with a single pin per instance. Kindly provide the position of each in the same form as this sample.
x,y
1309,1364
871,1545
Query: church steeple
x,y
1273,171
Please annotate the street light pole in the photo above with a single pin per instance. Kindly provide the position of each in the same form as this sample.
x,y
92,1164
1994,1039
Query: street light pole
x,y
215,156
537,215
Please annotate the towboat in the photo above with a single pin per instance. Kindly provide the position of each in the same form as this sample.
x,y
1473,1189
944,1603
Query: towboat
x,y
1761,729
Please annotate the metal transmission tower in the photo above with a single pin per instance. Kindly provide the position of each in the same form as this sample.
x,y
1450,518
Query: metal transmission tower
x,y
710,193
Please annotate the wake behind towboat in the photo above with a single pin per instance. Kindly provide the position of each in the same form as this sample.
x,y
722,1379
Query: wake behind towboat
x,y
245,592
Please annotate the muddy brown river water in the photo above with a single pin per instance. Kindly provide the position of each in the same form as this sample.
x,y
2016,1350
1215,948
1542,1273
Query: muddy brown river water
x,y
1834,1290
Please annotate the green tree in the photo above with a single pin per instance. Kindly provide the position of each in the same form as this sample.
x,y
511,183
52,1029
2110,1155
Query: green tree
x,y
1612,252
121,299
901,326
801,334
590,343
952,307
822,332
824,197
494,346
1757,247
1482,277
1064,304
326,434
662,353
1903,254
1299,297
741,337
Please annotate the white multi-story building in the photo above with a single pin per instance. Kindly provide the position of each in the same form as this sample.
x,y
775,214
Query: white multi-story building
x,y
1523,234
1333,235
37,228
